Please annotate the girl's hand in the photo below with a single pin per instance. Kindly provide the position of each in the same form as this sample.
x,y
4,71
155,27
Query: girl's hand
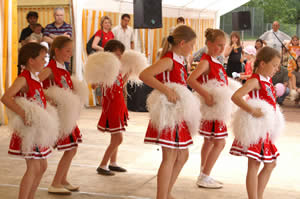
x,y
257,113
52,102
209,100
172,95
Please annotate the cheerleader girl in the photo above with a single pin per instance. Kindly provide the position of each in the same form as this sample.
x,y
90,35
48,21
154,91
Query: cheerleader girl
x,y
259,86
214,131
174,142
27,84
56,74
114,115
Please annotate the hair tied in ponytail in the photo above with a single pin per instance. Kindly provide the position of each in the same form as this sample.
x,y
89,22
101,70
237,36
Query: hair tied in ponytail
x,y
171,39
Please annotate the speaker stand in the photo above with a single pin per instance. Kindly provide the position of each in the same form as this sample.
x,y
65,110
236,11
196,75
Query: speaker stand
x,y
243,38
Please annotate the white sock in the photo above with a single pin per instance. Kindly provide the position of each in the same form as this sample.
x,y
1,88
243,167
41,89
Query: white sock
x,y
105,167
114,164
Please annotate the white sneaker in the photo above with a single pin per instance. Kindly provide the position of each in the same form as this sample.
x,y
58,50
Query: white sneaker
x,y
208,182
216,180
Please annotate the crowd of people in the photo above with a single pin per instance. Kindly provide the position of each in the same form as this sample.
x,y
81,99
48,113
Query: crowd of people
x,y
239,60
256,66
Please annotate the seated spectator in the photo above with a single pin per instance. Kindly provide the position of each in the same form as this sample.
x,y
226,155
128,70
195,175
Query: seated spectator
x,y
281,76
32,18
37,33
295,80
198,54
58,27
259,44
284,57
249,54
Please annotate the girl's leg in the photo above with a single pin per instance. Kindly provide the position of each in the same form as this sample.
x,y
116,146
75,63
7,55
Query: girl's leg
x,y
43,167
251,180
165,171
27,182
218,146
263,178
60,178
113,158
205,150
115,141
182,157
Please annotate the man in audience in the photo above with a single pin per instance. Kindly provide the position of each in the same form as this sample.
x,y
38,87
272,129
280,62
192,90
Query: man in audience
x,y
179,21
58,27
32,18
124,33
271,38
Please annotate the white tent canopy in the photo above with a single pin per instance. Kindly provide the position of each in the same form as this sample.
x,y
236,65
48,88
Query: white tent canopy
x,y
171,8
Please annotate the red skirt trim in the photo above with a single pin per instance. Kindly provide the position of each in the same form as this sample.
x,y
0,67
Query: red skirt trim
x,y
264,151
177,138
15,148
69,142
213,129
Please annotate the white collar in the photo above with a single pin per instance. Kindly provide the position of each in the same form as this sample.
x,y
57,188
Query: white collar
x,y
180,59
263,78
61,66
215,60
34,77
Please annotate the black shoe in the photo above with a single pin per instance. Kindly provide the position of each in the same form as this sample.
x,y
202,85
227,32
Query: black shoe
x,y
117,168
104,172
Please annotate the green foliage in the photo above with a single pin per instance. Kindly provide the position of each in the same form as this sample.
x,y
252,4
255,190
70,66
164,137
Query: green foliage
x,y
284,11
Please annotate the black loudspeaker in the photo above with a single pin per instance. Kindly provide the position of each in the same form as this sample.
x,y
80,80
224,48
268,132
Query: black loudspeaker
x,y
241,20
147,13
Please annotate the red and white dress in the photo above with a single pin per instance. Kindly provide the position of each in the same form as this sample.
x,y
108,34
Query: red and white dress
x,y
179,137
264,150
213,128
62,79
35,92
114,111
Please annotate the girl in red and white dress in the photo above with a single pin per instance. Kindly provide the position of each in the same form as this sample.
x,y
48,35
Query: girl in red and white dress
x,y
174,142
259,86
56,74
114,115
28,85
214,131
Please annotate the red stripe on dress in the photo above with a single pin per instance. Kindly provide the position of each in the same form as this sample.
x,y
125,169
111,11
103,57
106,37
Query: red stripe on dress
x,y
169,144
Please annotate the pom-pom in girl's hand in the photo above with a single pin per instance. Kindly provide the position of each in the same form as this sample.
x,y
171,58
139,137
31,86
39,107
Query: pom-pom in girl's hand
x,y
172,95
26,122
209,100
257,113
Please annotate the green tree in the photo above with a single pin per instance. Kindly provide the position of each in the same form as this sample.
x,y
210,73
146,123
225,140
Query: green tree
x,y
284,11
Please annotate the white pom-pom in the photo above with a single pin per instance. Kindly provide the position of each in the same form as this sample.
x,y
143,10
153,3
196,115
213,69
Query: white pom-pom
x,y
81,89
165,114
223,107
233,84
248,129
44,127
68,107
279,124
133,63
103,68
